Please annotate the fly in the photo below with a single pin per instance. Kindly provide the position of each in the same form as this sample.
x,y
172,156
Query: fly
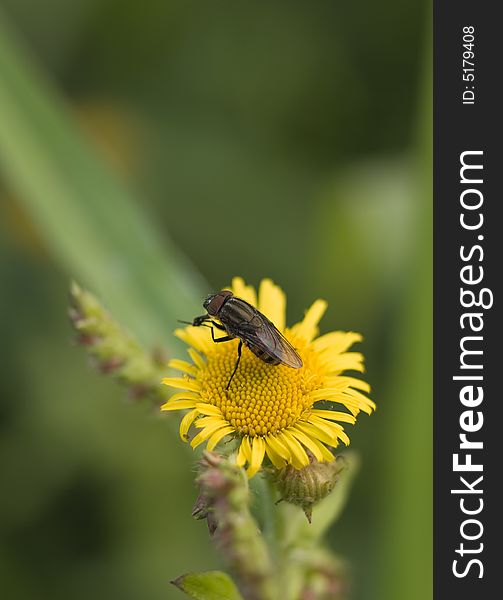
x,y
239,319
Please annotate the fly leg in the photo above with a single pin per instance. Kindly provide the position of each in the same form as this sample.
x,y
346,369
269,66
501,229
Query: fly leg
x,y
236,365
225,338
197,322
218,326
203,322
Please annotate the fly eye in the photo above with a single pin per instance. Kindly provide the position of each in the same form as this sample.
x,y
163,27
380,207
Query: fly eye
x,y
215,304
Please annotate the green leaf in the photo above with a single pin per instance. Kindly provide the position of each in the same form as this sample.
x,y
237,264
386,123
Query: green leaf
x,y
89,220
210,585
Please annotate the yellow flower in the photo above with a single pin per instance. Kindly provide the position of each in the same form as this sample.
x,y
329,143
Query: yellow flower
x,y
270,409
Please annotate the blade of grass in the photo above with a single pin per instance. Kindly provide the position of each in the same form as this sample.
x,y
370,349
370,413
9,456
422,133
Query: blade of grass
x,y
91,223
407,484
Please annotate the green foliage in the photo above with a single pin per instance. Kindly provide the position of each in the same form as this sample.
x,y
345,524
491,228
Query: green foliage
x,y
87,217
212,585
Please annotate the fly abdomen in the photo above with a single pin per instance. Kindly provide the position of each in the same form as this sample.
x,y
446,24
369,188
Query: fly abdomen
x,y
259,353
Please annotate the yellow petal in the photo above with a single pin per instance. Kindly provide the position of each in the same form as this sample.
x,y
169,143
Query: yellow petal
x,y
351,399
209,421
299,458
197,337
316,432
361,401
243,291
333,415
274,457
196,357
185,396
182,365
348,361
205,433
307,329
217,436
244,452
308,442
178,405
272,303
186,422
336,342
327,455
257,456
208,409
279,447
182,383
342,381
330,428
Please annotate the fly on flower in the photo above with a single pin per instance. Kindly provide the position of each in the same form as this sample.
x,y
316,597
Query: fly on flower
x,y
242,320
273,412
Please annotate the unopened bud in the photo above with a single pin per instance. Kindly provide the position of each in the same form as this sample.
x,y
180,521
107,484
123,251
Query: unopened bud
x,y
306,487
224,502
114,350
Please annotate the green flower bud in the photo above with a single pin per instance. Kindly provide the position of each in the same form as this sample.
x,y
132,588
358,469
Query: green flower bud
x,y
305,487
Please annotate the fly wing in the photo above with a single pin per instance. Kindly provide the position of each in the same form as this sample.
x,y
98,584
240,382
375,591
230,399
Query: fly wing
x,y
266,337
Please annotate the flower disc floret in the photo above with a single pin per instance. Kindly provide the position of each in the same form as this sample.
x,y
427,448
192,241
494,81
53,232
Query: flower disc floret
x,y
263,399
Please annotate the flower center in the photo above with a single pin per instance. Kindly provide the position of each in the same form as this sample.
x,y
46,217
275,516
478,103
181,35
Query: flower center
x,y
262,398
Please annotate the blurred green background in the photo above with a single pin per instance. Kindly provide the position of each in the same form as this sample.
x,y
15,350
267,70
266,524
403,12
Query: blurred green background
x,y
152,151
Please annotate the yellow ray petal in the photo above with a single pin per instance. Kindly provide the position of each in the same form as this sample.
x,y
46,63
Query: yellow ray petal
x,y
243,291
327,455
178,405
182,365
272,303
366,404
306,441
197,358
349,397
307,329
209,421
208,409
342,381
207,432
274,457
330,428
257,456
327,393
244,452
351,404
185,396
348,361
197,337
316,432
182,383
299,458
333,415
217,436
279,447
186,422
336,342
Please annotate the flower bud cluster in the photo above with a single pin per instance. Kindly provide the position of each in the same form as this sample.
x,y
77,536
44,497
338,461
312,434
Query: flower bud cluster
x,y
114,350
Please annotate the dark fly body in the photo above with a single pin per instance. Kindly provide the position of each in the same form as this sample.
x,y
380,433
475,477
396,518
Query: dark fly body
x,y
239,319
